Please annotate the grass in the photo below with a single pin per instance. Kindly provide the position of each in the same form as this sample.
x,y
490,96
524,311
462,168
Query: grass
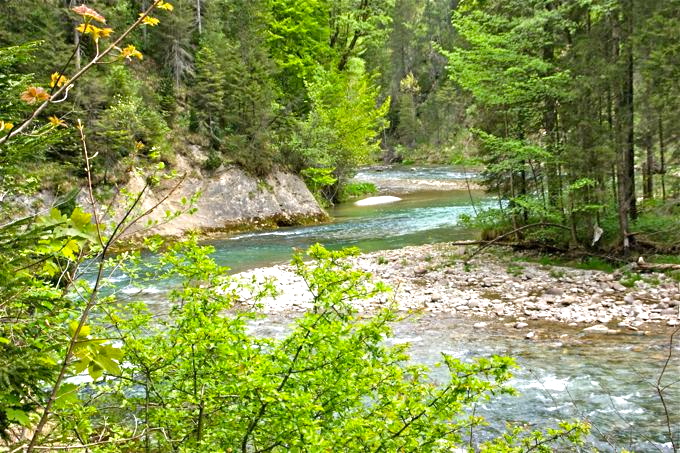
x,y
628,280
515,270
595,264
664,259
355,190
588,263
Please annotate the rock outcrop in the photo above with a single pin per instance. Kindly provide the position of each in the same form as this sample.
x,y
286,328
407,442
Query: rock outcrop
x,y
229,200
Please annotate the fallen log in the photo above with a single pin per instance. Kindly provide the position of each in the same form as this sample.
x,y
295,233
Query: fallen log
x,y
655,267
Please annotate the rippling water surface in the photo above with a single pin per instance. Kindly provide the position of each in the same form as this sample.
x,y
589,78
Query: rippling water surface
x,y
419,218
563,375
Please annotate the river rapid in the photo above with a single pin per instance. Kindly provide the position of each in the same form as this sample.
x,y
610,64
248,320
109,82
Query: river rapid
x,y
564,373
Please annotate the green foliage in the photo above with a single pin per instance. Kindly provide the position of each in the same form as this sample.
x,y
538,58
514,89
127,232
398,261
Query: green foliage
x,y
554,112
38,263
355,190
341,128
208,92
129,128
318,179
298,35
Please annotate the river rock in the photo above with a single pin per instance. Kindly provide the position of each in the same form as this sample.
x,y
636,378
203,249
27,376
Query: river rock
x,y
420,270
568,300
420,278
554,291
616,286
600,328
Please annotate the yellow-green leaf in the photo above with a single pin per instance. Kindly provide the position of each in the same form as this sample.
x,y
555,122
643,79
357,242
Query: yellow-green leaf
x,y
84,331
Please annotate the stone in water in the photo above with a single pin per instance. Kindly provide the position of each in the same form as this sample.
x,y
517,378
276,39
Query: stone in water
x,y
384,199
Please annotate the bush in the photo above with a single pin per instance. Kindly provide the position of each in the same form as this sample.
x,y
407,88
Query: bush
x,y
355,190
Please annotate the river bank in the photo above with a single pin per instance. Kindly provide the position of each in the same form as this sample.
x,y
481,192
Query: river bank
x,y
492,289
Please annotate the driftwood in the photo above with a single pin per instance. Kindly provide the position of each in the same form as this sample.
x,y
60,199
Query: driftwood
x,y
639,266
515,231
654,267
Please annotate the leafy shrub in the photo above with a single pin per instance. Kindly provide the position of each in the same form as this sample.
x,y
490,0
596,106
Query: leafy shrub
x,y
355,190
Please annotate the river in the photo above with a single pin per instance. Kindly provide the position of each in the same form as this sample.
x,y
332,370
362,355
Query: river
x,y
564,375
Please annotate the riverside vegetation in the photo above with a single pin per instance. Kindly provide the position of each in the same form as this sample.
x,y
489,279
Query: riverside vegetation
x,y
307,85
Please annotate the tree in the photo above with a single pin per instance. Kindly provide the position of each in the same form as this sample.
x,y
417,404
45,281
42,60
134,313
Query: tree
x,y
340,131
208,93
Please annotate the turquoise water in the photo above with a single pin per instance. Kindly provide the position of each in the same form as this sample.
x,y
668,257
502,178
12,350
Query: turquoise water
x,y
419,218
564,374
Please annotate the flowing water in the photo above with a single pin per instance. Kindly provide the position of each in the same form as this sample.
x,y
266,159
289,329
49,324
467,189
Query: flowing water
x,y
606,380
421,217
564,375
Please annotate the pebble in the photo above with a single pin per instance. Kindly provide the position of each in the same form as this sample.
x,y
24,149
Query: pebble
x,y
616,286
599,328
576,297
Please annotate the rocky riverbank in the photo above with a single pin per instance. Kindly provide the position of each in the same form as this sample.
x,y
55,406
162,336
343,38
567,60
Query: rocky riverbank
x,y
433,278
223,200
402,180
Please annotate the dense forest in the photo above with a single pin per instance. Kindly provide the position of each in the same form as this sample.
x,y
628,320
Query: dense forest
x,y
570,106
569,109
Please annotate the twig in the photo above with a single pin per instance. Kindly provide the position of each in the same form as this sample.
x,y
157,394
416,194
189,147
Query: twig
x,y
660,391
64,89
90,190
92,301
101,442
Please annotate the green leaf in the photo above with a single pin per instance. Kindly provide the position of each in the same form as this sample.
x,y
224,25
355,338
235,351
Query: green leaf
x,y
68,393
84,330
95,371
81,219
107,364
18,416
80,365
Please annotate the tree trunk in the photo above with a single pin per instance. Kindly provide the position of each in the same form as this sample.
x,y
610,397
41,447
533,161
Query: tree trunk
x,y
199,19
648,173
662,156
625,129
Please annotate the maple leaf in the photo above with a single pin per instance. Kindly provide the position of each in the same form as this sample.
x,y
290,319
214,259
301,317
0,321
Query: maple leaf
x,y
96,32
56,122
151,21
88,13
58,80
131,51
34,94
165,5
